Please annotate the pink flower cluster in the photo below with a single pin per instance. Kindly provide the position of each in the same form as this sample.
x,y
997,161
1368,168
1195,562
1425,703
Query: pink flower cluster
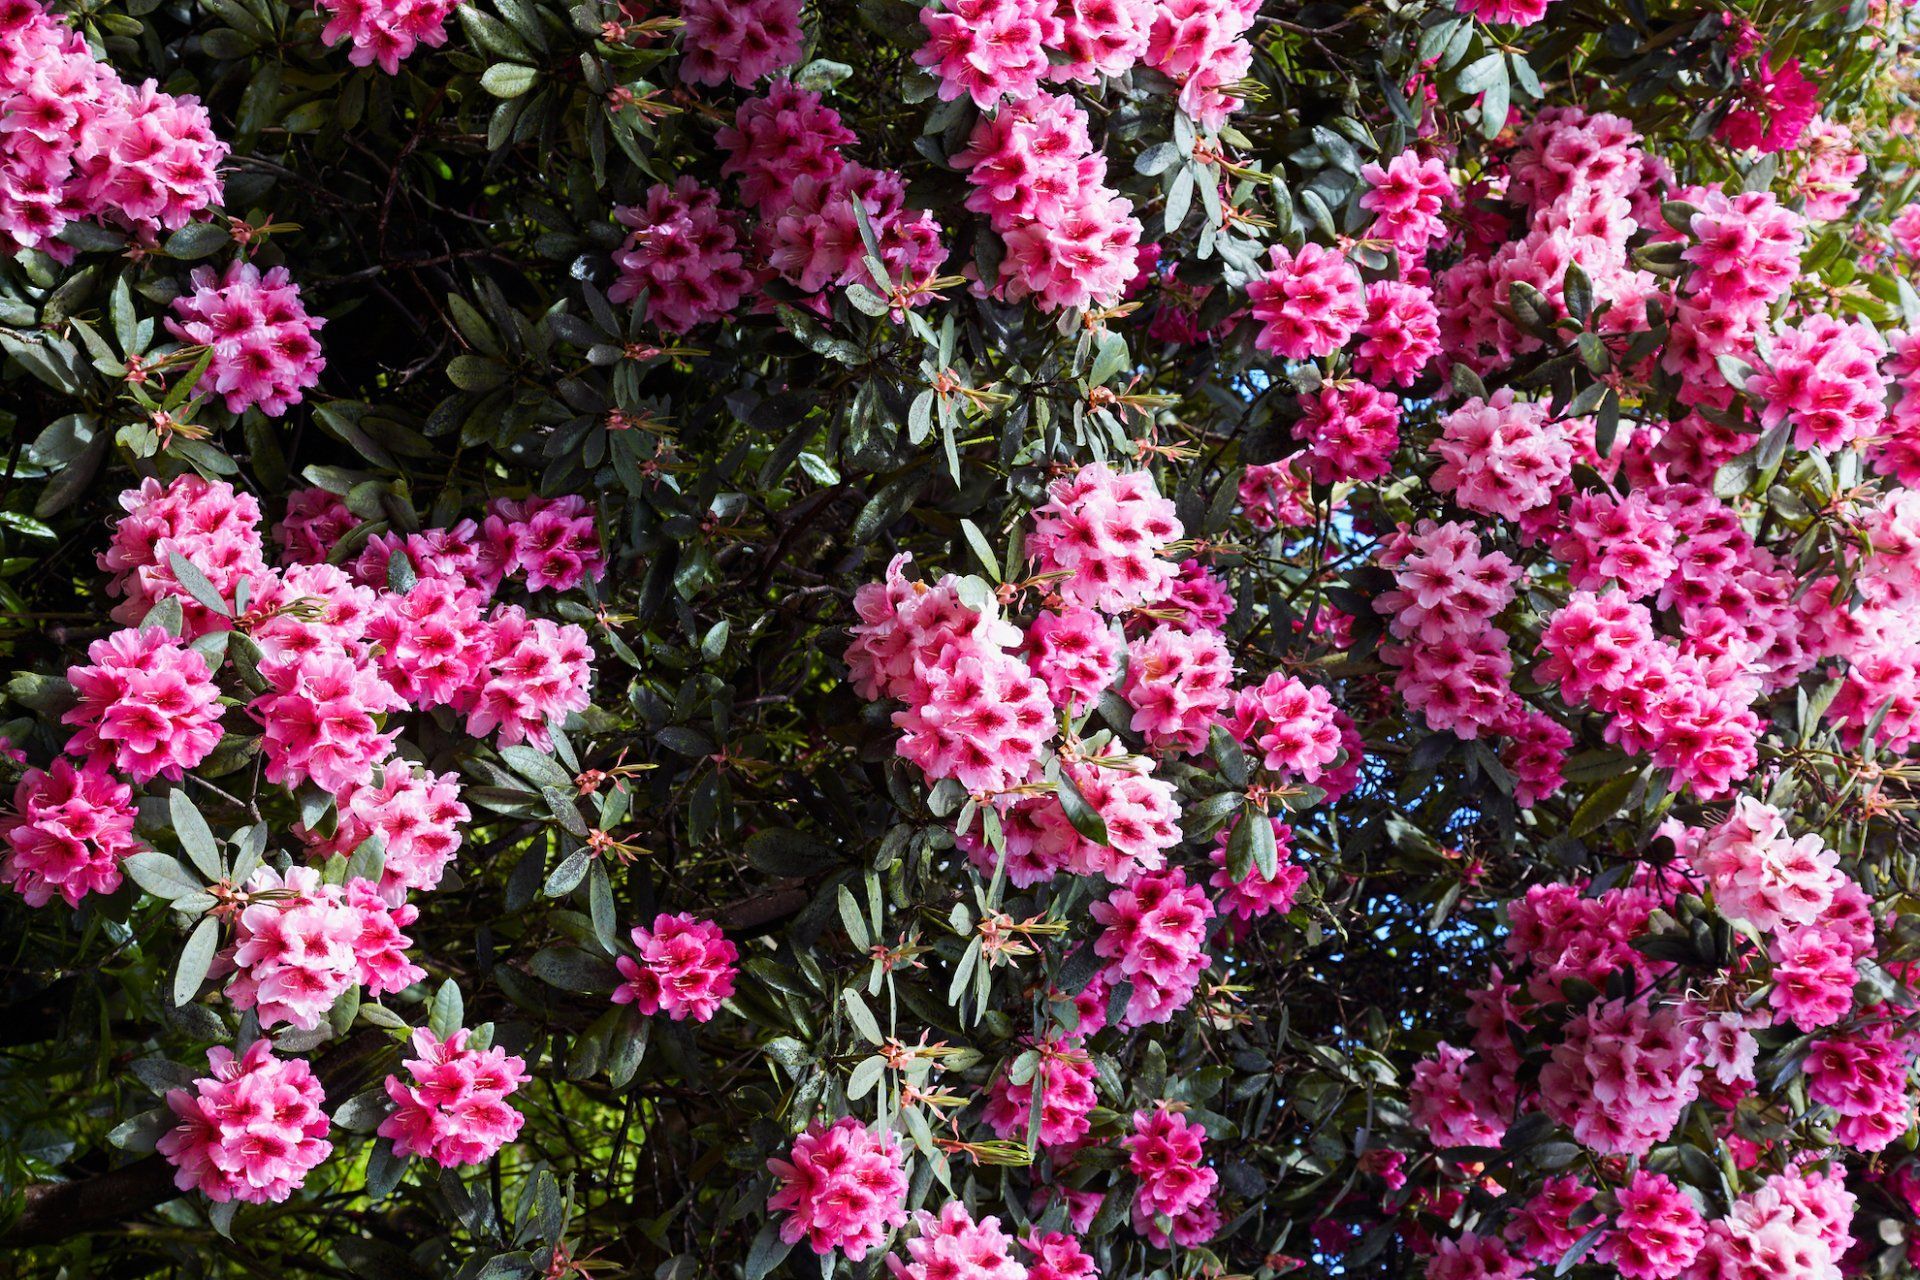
x,y
1154,932
1064,1077
1689,712
952,1246
148,706
843,1187
261,337
454,1111
70,829
1308,303
685,969
1350,430
785,148
738,40
1072,241
299,944
1165,1152
415,813
383,32
1201,46
77,144
251,1131
684,253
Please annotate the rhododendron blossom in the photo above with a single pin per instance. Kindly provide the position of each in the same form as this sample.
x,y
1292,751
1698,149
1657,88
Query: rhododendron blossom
x,y
251,1131
841,1189
453,1110
685,969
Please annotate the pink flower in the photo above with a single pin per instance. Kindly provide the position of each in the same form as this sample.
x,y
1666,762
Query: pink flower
x,y
553,542
316,520
1103,532
685,969
738,40
1535,753
1476,1257
85,146
1401,334
1862,1076
1165,1153
1501,457
1547,1226
1746,252
264,349
816,241
148,705
1077,253
203,522
907,628
1191,1229
384,32
1276,495
1824,377
778,138
1656,1233
952,1246
842,1188
69,831
431,644
1351,430
1832,166
1058,1256
1254,894
1141,814
1063,1073
1308,304
1406,199
1289,723
1154,932
251,1131
1101,38
1777,104
1621,1077
1446,1101
536,675
1443,583
984,720
298,945
1075,652
1177,683
454,1111
415,813
1905,230
451,555
683,252
318,719
1760,874
1788,1226
1813,977
1201,46
988,49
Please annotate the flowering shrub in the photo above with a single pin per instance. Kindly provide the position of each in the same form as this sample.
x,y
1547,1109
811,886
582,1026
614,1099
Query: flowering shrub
x,y
984,640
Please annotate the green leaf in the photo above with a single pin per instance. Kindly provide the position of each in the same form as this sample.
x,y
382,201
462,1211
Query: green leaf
x,y
196,583
508,79
861,1016
1085,818
767,1252
1601,804
195,959
853,921
162,876
195,837
568,874
600,903
448,1011
196,240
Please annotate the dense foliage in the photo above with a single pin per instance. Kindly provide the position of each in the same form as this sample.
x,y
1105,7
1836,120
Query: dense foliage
x,y
1003,641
